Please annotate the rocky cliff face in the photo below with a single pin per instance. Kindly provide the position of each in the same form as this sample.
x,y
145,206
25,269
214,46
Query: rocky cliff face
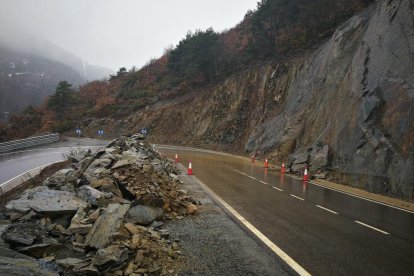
x,y
347,107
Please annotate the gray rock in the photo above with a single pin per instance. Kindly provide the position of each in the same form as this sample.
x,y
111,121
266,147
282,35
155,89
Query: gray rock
x,y
91,195
106,225
68,262
46,248
112,255
319,158
24,233
13,263
60,178
54,202
143,215
79,223
122,163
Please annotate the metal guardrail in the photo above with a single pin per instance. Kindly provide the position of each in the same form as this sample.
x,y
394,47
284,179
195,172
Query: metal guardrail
x,y
28,142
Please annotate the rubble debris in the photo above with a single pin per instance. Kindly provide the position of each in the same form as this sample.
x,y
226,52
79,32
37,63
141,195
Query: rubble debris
x,y
104,215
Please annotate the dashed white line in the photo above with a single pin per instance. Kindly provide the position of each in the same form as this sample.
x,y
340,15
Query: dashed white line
x,y
264,182
372,227
286,258
297,197
252,177
276,188
326,209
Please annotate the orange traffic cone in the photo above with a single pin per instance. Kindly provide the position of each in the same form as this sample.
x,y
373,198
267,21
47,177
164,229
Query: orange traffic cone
x,y
305,175
252,158
266,164
282,169
176,158
190,169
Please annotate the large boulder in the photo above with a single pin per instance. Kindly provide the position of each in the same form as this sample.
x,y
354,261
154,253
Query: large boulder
x,y
143,215
106,225
13,263
60,178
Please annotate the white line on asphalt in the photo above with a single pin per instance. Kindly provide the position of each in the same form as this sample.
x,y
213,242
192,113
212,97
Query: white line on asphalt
x,y
285,257
326,209
264,182
276,188
311,182
297,197
26,172
360,197
372,227
252,177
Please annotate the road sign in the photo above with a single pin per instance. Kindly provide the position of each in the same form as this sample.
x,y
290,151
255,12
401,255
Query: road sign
x,y
144,131
78,131
100,132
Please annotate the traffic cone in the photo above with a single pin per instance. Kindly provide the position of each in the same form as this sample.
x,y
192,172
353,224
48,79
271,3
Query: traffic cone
x,y
282,169
252,158
190,169
176,158
305,175
266,164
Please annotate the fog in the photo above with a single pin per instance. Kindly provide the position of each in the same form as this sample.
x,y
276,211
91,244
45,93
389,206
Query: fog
x,y
117,33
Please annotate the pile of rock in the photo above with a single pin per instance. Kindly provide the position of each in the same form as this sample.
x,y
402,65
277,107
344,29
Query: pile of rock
x,y
104,215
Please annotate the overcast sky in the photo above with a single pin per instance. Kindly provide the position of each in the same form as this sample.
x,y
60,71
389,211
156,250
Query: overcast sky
x,y
116,33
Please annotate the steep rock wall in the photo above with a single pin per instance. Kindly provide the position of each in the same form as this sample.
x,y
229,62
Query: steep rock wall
x,y
347,107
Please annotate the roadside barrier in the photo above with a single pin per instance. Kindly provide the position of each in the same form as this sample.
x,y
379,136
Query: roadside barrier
x,y
28,142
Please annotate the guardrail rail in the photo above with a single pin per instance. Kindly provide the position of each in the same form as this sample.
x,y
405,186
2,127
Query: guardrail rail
x,y
28,142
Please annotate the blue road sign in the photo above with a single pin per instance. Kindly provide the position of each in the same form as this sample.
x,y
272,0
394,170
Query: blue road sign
x,y
144,131
78,131
100,132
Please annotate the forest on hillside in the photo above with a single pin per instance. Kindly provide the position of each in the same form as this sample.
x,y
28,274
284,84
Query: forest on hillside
x,y
275,30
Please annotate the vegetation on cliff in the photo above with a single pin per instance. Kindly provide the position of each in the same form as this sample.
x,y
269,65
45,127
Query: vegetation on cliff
x,y
275,30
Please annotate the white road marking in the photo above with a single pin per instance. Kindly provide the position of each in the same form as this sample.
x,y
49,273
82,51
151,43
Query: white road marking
x,y
276,188
26,172
360,197
326,209
285,257
311,182
297,197
372,227
264,182
252,177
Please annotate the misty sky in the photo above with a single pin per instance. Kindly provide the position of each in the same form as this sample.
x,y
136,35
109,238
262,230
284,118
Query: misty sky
x,y
116,33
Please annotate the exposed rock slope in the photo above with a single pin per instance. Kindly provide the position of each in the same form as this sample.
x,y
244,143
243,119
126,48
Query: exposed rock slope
x,y
347,107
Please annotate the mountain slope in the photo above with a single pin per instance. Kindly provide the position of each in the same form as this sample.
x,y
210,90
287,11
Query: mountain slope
x,y
345,108
342,104
31,68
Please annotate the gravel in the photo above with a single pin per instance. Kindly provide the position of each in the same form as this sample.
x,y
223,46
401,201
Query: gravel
x,y
215,245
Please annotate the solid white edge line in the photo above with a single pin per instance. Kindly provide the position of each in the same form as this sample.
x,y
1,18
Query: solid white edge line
x,y
297,197
372,227
26,172
311,182
326,209
276,188
285,257
360,197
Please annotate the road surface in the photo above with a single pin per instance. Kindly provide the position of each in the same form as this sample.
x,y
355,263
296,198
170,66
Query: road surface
x,y
14,164
325,231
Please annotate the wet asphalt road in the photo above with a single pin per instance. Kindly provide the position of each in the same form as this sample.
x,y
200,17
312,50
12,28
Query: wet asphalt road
x,y
323,241
14,164
290,213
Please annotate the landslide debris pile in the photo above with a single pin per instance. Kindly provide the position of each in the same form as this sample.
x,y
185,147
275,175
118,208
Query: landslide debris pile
x,y
104,215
